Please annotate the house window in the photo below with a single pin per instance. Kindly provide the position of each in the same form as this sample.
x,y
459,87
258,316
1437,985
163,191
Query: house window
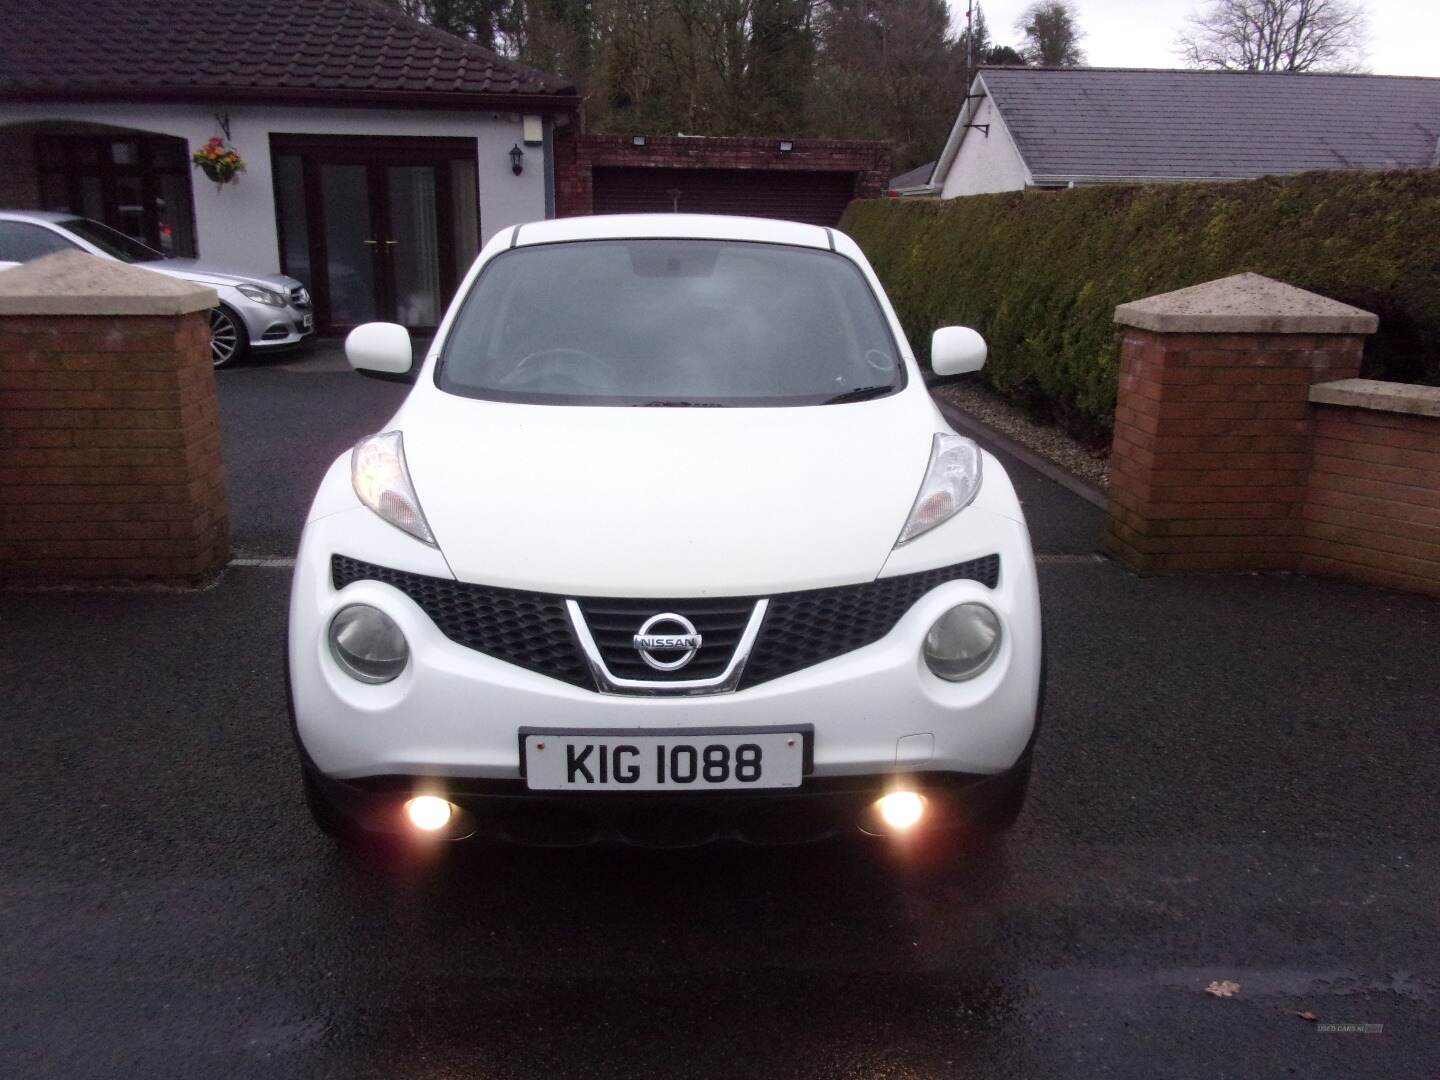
x,y
138,184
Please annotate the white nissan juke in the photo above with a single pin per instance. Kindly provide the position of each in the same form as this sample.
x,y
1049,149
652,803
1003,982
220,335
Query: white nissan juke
x,y
667,544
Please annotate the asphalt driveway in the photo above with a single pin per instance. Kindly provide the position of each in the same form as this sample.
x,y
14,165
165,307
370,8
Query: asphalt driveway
x,y
1236,782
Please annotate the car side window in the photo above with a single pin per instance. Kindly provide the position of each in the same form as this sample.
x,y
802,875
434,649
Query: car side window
x,y
21,241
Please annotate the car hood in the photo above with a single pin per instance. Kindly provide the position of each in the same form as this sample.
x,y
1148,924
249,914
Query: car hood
x,y
195,270
666,502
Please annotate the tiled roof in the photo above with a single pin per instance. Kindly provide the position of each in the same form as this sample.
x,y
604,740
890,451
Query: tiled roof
x,y
916,177
1133,124
361,50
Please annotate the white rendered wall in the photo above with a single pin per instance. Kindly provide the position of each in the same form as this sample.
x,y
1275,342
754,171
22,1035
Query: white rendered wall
x,y
986,163
235,225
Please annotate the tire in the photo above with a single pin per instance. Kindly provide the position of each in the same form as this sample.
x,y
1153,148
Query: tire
x,y
327,817
229,340
1000,815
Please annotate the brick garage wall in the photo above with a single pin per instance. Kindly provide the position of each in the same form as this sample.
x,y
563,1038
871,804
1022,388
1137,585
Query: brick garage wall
x,y
110,447
577,156
1211,452
1372,508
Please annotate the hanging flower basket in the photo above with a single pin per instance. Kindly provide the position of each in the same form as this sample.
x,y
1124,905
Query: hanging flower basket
x,y
219,161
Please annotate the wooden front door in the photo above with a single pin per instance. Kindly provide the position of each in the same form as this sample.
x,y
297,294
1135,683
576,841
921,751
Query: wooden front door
x,y
378,229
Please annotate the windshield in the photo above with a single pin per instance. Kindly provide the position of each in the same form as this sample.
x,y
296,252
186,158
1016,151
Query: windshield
x,y
115,244
670,322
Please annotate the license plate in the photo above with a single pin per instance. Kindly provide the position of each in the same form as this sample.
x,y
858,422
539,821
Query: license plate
x,y
307,321
674,761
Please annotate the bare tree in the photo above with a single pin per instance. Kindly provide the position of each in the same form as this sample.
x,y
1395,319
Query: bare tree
x,y
1276,35
1052,34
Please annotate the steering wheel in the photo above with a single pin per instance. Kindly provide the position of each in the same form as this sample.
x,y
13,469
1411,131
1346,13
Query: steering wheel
x,y
572,365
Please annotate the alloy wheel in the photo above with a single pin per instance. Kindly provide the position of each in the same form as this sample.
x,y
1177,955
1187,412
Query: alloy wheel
x,y
224,337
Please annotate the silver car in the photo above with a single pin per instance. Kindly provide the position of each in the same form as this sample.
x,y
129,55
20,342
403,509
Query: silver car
x,y
256,311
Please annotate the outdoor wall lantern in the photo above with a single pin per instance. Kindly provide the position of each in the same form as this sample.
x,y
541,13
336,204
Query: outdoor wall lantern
x,y
517,159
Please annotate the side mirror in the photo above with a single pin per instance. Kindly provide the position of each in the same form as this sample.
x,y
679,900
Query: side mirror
x,y
381,350
956,350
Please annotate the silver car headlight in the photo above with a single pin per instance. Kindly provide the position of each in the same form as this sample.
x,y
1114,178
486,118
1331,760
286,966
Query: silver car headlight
x,y
367,644
382,482
962,642
261,295
952,479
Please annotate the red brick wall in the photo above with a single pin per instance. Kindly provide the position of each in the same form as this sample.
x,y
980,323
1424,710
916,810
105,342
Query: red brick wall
x,y
576,156
109,449
1372,508
1211,453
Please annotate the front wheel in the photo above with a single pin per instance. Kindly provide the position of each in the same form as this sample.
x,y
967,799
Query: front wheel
x,y
229,340
327,816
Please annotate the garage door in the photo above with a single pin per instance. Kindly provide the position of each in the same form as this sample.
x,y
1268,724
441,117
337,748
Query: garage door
x,y
818,198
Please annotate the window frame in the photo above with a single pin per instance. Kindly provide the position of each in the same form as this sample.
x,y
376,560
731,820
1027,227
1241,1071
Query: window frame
x,y
73,170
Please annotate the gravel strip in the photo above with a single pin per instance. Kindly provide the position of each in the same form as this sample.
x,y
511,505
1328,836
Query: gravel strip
x,y
979,401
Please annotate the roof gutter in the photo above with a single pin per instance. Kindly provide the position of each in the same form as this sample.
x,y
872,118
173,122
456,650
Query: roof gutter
x,y
564,101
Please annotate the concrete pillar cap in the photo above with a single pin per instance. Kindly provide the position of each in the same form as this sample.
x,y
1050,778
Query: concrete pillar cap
x,y
75,283
1245,304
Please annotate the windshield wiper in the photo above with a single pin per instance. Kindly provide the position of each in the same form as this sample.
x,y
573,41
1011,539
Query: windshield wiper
x,y
677,404
859,393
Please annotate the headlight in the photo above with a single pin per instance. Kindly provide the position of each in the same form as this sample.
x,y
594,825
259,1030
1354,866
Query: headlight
x,y
382,482
962,642
367,644
261,296
951,480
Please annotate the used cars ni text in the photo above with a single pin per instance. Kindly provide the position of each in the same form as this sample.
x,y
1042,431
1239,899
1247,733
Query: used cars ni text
x,y
667,543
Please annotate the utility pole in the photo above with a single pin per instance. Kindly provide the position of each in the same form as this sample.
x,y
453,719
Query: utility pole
x,y
969,39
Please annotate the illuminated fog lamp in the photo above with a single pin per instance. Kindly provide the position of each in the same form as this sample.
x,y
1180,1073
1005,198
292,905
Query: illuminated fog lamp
x,y
901,810
429,813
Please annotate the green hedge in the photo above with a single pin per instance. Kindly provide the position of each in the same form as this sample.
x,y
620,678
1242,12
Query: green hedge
x,y
1040,273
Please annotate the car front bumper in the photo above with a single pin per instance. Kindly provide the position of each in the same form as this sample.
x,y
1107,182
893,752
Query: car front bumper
x,y
272,327
452,719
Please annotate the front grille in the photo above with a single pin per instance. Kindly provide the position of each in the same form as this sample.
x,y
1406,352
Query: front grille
x,y
804,628
613,624
528,629
533,631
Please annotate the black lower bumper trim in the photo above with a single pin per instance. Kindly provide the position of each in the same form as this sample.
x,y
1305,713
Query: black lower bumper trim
x,y
505,811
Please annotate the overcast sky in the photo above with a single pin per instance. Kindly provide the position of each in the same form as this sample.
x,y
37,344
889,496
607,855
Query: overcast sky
x,y
1404,34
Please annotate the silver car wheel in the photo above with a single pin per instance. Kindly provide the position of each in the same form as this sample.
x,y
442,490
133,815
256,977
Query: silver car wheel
x,y
224,337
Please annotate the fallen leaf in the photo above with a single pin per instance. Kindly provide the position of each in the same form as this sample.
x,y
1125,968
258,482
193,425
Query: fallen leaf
x,y
1223,988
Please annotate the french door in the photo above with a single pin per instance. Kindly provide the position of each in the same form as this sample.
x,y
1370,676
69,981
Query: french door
x,y
376,228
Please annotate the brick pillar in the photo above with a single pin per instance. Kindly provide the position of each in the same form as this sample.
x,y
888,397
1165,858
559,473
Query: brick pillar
x,y
109,429
1213,425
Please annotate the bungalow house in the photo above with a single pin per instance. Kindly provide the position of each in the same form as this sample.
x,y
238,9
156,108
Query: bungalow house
x,y
379,153
1046,128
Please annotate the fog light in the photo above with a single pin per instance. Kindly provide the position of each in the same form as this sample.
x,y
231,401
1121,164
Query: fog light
x,y
962,642
429,813
367,644
901,809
